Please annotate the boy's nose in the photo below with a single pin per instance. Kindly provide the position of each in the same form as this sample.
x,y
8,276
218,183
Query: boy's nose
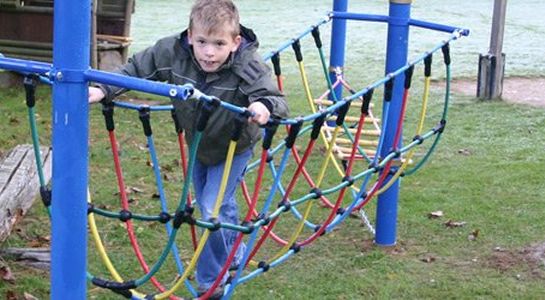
x,y
209,51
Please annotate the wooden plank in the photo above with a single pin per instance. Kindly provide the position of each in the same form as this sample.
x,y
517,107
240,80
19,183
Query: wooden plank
x,y
19,184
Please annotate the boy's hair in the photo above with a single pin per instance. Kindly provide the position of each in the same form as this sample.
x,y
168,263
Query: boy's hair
x,y
213,15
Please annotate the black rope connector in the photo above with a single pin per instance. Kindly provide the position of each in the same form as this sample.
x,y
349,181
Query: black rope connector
x,y
316,36
341,210
285,205
114,286
408,76
294,131
108,113
297,48
388,88
376,166
240,121
90,208
317,193
144,115
276,64
125,215
216,224
440,127
249,225
418,138
348,179
446,53
164,217
367,101
270,131
185,216
317,125
427,65
45,194
295,247
30,82
397,153
343,110
206,111
266,219
264,266
177,125
317,228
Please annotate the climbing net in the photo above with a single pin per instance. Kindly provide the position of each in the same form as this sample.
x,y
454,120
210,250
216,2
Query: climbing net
x,y
333,157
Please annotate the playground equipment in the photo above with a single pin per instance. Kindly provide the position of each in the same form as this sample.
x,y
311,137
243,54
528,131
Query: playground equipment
x,y
335,121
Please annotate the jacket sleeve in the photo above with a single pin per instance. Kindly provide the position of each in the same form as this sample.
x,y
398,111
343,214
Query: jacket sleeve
x,y
151,63
259,86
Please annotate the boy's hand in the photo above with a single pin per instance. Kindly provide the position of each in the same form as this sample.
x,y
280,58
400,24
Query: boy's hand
x,y
95,95
261,113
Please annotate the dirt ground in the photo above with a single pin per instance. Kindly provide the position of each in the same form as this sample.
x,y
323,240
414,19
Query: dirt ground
x,y
515,89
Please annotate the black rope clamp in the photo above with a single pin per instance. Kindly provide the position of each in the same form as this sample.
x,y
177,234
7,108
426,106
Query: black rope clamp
x,y
297,49
276,64
216,224
113,285
376,166
295,247
144,115
285,205
316,36
294,131
317,193
30,82
250,226
408,76
418,138
317,125
125,215
440,127
108,113
341,210
446,53
206,110
164,217
264,266
427,65
367,101
266,219
90,208
270,131
343,110
45,194
388,88
317,228
240,120
185,216
177,125
348,179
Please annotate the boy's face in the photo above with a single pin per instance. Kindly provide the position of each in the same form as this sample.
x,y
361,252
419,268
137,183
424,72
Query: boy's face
x,y
212,49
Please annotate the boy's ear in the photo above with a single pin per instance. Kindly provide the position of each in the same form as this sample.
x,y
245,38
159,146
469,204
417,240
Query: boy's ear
x,y
189,37
237,41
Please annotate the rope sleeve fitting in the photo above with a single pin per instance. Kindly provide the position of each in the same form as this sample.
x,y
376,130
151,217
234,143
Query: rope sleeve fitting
x,y
295,247
348,179
164,217
317,192
270,131
343,110
45,194
240,121
30,82
185,216
446,53
418,138
90,208
249,225
317,228
266,219
316,36
276,64
285,205
375,166
144,115
388,88
177,126
427,65
367,97
264,266
341,210
114,286
297,49
108,113
125,215
440,127
317,126
206,111
294,131
408,77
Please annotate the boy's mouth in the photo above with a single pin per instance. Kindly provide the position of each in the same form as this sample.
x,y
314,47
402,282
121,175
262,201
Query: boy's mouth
x,y
208,63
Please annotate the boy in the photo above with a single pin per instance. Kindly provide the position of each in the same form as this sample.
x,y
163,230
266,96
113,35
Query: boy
x,y
218,56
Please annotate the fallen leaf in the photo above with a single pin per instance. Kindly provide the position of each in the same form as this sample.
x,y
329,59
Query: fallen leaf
x,y
28,296
465,152
435,214
428,259
6,275
453,224
474,234
136,190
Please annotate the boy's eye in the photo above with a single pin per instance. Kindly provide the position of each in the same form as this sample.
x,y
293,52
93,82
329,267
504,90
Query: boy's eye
x,y
220,43
201,41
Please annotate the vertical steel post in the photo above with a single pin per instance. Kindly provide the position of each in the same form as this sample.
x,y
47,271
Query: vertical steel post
x,y
70,137
338,42
396,57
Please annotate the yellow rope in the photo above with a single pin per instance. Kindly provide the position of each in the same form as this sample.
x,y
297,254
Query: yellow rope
x,y
206,234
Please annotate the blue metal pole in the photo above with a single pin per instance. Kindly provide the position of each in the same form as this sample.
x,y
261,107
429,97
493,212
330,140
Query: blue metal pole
x,y
338,42
396,57
70,137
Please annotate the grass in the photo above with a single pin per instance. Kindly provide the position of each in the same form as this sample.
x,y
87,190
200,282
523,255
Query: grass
x,y
486,173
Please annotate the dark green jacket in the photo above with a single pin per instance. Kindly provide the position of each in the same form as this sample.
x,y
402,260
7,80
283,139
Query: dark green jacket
x,y
243,79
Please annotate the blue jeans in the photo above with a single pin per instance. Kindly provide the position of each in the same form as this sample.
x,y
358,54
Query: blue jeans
x,y
206,182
